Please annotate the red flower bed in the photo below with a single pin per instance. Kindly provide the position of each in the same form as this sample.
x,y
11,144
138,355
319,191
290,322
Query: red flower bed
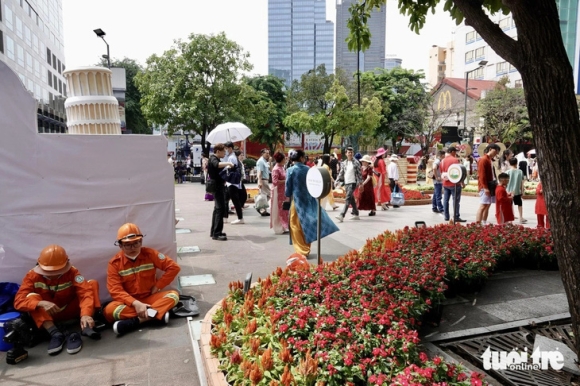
x,y
355,321
414,195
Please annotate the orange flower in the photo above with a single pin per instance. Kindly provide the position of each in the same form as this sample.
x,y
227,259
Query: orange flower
x,y
251,327
256,374
255,345
267,362
287,378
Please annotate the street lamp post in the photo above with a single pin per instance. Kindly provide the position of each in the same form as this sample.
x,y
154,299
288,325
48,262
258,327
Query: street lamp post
x,y
480,65
100,33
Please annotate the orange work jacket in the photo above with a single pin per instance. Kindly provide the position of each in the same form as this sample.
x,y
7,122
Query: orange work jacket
x,y
60,291
129,280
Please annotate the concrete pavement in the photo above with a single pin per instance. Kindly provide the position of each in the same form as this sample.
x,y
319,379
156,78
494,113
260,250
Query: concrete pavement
x,y
163,356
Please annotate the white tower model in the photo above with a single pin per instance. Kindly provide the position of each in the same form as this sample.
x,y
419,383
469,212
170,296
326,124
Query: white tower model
x,y
91,107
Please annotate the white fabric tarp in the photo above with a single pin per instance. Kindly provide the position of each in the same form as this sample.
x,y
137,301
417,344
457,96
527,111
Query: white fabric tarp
x,y
76,190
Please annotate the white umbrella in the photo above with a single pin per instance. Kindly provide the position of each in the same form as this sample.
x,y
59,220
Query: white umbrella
x,y
230,131
533,151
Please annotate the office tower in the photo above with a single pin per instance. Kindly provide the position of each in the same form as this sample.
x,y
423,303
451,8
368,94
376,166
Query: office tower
x,y
374,56
390,63
31,43
299,38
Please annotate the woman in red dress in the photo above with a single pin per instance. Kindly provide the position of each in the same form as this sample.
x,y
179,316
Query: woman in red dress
x,y
366,197
541,210
382,191
278,216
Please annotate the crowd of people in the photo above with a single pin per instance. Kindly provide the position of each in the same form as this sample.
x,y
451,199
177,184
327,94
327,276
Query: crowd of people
x,y
54,291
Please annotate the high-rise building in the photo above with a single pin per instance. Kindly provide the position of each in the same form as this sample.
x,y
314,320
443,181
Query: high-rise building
x,y
391,63
31,43
374,56
299,38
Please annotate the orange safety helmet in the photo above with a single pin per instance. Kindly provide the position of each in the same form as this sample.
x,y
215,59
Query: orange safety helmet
x,y
53,260
128,232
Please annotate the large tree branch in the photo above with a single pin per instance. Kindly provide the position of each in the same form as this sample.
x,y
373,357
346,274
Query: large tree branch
x,y
502,44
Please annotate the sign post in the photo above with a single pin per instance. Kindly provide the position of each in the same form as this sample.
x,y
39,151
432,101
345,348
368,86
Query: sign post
x,y
318,185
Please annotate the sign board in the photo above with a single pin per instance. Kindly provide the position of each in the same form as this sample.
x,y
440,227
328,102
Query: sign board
x,y
318,182
456,173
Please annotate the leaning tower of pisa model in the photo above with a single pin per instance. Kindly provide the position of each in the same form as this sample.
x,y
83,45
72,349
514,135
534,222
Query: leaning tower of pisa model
x,y
91,107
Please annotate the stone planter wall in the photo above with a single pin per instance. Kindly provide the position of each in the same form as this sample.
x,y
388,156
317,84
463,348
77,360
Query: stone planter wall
x,y
215,377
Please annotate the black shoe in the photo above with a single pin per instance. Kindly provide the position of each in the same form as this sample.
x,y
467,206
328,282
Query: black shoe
x,y
87,331
220,238
373,213
396,206
265,214
124,326
56,343
460,220
435,211
231,212
74,343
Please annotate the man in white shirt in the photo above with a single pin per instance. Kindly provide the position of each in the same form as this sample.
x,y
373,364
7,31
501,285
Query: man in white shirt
x,y
393,173
351,175
263,169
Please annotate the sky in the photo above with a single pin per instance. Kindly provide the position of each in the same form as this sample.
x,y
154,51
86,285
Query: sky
x,y
137,29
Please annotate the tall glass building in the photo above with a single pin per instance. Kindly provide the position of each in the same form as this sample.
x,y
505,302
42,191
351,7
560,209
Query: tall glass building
x,y
32,44
372,58
299,38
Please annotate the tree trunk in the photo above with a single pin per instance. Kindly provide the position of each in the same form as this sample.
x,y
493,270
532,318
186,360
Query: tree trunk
x,y
548,82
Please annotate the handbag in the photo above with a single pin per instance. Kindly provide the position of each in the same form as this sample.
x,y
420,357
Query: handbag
x,y
286,205
231,175
397,197
261,202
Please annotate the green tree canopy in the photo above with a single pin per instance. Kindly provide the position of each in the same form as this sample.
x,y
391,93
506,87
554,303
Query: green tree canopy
x,y
269,102
404,102
320,103
194,85
505,114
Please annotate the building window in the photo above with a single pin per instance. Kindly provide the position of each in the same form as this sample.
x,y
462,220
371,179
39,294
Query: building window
x,y
505,24
477,36
49,78
54,82
60,86
48,55
27,36
10,52
501,68
469,56
1,41
20,54
59,68
518,84
35,46
470,37
9,17
37,68
29,65
512,68
19,32
480,53
53,61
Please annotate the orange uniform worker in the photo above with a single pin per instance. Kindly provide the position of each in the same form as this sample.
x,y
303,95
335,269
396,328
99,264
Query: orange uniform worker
x,y
132,283
55,291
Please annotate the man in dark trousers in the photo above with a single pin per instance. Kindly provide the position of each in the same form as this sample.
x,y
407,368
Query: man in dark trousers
x,y
214,167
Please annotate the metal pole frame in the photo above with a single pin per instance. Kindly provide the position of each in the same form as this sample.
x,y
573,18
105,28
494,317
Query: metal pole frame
x,y
319,230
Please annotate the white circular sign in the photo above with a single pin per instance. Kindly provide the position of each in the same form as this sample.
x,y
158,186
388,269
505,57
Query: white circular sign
x,y
456,173
318,182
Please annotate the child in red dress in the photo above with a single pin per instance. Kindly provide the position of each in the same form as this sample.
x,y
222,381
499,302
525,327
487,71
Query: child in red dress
x,y
503,201
541,210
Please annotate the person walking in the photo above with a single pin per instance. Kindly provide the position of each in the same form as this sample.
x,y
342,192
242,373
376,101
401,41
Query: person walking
x,y
303,207
366,198
382,190
213,169
263,170
351,176
485,175
450,189
436,201
278,216
393,173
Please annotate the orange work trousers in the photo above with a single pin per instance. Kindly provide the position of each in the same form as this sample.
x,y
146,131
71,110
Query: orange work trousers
x,y
70,311
161,301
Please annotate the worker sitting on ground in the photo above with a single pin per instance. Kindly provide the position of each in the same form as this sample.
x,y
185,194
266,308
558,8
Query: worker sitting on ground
x,y
55,291
132,283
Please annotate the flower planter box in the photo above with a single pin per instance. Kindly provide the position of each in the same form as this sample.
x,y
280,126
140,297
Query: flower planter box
x,y
425,201
215,377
